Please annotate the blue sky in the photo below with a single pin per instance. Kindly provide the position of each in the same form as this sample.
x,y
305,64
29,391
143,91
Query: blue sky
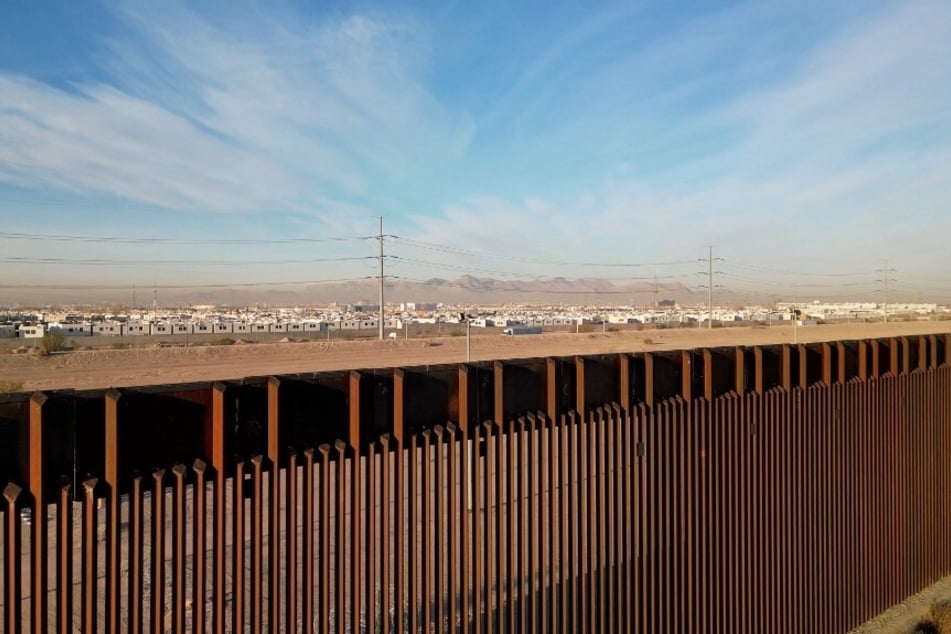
x,y
807,141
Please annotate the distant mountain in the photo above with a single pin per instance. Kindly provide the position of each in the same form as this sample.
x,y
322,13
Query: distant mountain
x,y
467,289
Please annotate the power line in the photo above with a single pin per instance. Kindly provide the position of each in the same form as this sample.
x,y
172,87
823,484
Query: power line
x,y
149,240
116,262
110,287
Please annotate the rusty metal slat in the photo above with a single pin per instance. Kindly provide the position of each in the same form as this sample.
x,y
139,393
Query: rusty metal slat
x,y
849,504
256,572
612,499
439,518
323,505
414,576
523,594
440,483
427,542
111,453
89,558
715,491
458,606
237,547
629,503
759,502
399,562
622,504
273,509
645,584
178,548
564,511
290,548
372,534
682,529
479,527
534,588
577,523
157,546
579,529
704,527
64,558
548,552
356,535
725,485
493,486
38,573
308,555
461,551
340,536
591,514
603,519
742,425
218,515
198,547
12,573
661,525
675,496
385,497
739,481
512,474
792,513
819,575
688,555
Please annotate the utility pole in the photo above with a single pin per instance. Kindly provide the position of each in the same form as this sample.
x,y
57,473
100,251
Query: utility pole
x,y
381,278
885,303
710,286
710,273
885,279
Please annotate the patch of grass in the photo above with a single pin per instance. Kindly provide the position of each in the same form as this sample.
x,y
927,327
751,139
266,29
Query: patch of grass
x,y
224,341
9,387
457,333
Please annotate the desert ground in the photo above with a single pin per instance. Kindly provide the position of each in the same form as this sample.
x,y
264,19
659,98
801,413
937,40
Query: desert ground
x,y
156,365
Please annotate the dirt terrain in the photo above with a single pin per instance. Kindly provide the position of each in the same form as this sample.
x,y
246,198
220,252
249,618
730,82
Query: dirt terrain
x,y
155,365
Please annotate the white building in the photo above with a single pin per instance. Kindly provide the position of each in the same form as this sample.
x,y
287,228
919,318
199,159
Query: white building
x,y
31,331
136,329
107,328
71,330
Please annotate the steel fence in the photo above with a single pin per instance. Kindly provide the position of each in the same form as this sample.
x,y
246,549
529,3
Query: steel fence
x,y
792,488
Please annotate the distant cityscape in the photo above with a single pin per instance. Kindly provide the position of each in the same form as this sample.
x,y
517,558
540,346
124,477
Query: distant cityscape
x,y
363,319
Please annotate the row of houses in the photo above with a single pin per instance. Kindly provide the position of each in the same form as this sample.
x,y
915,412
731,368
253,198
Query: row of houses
x,y
159,329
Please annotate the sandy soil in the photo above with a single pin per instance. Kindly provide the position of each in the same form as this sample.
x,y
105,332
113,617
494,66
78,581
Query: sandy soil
x,y
96,369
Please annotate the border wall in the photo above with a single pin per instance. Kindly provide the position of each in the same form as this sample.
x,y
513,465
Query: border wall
x,y
773,488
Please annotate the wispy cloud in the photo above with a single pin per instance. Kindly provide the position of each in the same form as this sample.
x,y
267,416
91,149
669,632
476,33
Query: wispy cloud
x,y
251,115
839,156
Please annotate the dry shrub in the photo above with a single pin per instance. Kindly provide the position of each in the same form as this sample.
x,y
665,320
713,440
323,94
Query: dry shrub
x,y
10,387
